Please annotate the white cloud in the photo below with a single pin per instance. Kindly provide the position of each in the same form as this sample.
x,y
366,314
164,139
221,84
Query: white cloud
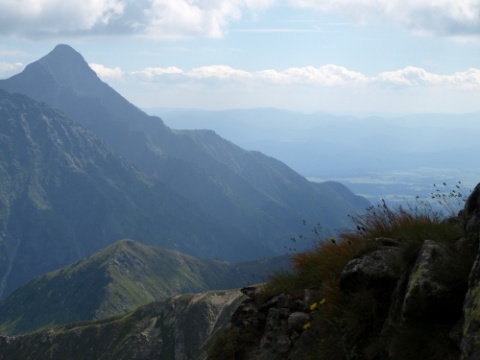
x,y
162,19
455,18
327,76
469,79
415,77
7,70
180,18
50,17
409,76
106,73
171,19
220,72
152,72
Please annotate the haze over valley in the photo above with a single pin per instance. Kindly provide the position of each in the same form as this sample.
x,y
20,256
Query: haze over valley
x,y
396,158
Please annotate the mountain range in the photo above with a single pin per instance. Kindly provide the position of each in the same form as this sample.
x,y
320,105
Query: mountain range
x,y
82,167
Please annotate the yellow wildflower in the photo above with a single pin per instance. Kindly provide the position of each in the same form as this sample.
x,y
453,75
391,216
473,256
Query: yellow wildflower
x,y
313,306
323,301
307,326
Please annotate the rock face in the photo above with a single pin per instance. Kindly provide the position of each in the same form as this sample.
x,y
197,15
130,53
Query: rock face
x,y
177,328
470,344
273,330
428,295
373,270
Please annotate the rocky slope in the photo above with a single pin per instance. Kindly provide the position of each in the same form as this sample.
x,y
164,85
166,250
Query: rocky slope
x,y
177,328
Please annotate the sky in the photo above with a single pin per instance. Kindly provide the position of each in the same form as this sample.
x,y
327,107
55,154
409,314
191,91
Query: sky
x,y
355,57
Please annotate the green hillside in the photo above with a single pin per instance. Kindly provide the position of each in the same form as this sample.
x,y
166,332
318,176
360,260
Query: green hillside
x,y
117,279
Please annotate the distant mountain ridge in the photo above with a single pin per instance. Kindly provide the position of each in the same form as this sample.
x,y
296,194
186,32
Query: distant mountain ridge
x,y
118,279
187,190
236,188
324,145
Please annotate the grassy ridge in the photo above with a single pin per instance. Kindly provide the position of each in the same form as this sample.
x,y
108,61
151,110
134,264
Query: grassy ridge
x,y
117,279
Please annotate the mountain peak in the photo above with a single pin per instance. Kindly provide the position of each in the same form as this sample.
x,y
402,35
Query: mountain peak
x,y
68,67
65,49
61,69
66,55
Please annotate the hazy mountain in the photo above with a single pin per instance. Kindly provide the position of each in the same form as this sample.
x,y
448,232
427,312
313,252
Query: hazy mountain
x,y
177,328
120,278
64,195
324,145
260,197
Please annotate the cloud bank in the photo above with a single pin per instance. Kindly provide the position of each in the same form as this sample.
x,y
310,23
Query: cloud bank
x,y
172,19
162,19
7,70
324,76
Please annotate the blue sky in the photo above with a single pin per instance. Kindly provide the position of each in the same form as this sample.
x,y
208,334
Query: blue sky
x,y
340,56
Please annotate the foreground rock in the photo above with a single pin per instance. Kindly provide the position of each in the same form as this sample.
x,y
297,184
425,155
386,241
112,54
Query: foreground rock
x,y
421,300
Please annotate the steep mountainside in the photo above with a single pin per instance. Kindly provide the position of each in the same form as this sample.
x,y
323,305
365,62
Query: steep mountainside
x,y
63,195
118,279
177,328
257,195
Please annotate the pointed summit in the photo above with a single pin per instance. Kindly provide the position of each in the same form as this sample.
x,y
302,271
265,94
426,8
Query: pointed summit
x,y
69,69
64,80
66,52
62,69
65,49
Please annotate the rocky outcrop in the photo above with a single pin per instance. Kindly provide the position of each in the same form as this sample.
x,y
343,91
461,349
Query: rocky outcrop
x,y
271,330
470,344
373,270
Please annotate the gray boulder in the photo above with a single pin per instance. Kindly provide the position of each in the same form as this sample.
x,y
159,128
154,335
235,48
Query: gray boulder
x,y
374,270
